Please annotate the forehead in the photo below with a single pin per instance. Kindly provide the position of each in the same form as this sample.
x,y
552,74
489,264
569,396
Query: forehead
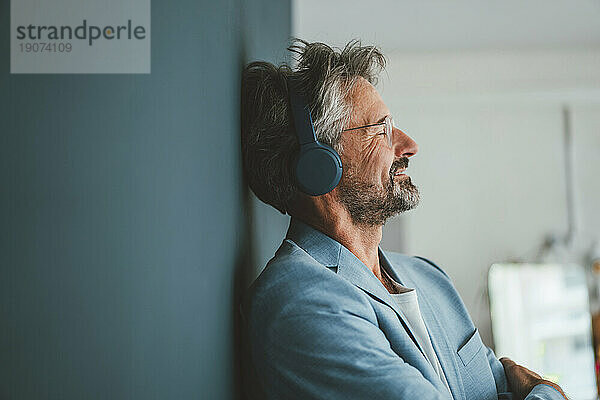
x,y
367,105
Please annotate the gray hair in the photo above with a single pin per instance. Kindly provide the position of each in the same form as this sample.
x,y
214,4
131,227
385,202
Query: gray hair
x,y
324,76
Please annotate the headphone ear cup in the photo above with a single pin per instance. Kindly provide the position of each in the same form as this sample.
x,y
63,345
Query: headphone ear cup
x,y
318,169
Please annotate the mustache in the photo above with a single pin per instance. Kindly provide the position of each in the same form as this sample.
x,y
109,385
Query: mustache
x,y
398,164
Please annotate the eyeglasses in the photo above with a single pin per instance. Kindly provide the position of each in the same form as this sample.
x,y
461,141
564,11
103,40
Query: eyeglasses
x,y
388,128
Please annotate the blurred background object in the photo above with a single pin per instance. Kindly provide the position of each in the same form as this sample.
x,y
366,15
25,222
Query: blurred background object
x,y
541,319
543,313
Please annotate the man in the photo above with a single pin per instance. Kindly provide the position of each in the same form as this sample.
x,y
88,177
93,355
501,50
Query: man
x,y
332,316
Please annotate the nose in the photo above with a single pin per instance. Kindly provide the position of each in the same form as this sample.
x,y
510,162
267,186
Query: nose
x,y
403,144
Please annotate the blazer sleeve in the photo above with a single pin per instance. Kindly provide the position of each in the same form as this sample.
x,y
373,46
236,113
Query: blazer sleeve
x,y
322,341
544,392
499,375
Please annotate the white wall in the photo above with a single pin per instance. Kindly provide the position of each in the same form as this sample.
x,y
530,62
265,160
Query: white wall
x,y
490,166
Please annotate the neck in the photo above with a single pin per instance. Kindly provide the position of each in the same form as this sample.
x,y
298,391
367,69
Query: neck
x,y
362,240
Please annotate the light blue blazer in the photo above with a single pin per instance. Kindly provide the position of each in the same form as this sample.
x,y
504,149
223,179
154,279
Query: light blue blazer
x,y
320,325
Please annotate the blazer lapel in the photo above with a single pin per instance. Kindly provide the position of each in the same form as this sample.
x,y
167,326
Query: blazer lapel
x,y
439,341
355,271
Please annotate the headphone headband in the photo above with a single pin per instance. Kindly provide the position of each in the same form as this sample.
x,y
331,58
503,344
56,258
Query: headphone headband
x,y
303,122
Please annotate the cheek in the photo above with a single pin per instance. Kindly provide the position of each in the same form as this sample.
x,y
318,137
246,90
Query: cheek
x,y
366,160
373,168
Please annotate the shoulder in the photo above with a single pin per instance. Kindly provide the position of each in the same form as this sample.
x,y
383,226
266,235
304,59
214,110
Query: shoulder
x,y
294,283
417,265
426,276
431,264
432,282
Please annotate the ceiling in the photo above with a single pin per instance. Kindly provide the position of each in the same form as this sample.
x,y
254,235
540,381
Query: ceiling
x,y
436,25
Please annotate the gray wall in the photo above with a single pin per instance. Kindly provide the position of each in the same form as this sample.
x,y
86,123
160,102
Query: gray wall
x,y
123,215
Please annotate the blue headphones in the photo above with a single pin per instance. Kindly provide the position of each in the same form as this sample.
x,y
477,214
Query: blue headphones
x,y
318,167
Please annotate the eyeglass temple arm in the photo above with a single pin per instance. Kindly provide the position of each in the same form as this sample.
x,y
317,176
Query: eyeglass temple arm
x,y
364,126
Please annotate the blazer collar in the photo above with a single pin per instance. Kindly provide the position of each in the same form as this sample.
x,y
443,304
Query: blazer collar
x,y
317,244
331,253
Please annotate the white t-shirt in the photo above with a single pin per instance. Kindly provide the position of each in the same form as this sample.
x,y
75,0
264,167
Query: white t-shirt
x,y
407,302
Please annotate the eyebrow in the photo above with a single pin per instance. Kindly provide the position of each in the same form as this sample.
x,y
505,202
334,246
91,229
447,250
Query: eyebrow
x,y
382,119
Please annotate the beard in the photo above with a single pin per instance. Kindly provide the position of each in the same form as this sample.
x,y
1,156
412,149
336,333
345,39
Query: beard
x,y
368,204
